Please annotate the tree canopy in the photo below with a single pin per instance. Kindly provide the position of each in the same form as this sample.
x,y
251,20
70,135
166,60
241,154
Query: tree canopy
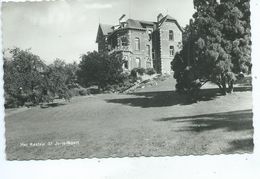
x,y
100,69
28,79
216,45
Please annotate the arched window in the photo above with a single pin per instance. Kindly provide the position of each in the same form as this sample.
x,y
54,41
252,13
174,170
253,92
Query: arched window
x,y
137,44
171,35
171,50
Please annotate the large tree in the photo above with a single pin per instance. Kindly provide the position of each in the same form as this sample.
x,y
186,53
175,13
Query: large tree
x,y
28,79
22,75
100,69
216,45
57,79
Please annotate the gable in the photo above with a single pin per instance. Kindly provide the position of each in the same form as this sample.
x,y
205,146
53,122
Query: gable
x,y
103,30
106,29
168,18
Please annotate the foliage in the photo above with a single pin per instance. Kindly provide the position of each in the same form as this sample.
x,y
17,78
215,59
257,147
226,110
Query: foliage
x,y
122,86
216,47
79,91
56,79
150,71
100,69
23,77
28,80
137,71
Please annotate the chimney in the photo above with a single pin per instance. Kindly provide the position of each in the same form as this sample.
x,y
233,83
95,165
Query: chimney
x,y
159,17
122,20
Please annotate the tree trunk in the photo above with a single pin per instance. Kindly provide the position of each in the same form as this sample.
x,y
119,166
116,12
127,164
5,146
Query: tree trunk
x,y
230,86
223,84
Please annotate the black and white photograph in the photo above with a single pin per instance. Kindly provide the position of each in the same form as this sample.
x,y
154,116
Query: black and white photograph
x,y
127,78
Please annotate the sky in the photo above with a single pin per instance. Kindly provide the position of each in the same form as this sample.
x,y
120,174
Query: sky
x,y
67,29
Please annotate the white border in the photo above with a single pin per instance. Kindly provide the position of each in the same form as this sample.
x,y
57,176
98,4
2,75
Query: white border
x,y
219,166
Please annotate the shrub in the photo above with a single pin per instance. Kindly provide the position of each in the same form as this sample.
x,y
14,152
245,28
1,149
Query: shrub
x,y
150,71
121,87
137,71
79,91
11,102
133,73
84,92
140,71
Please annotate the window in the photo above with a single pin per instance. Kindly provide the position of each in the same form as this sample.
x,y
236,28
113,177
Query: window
x,y
148,50
119,42
138,62
171,35
124,41
137,44
150,34
171,50
148,64
125,64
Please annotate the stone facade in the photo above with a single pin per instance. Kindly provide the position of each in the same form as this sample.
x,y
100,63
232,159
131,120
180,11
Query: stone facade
x,y
143,44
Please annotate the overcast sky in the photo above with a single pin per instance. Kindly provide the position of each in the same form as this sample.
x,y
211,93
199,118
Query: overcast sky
x,y
67,29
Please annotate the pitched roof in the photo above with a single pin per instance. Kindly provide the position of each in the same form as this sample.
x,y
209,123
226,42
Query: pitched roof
x,y
103,30
138,24
106,29
147,22
135,24
168,17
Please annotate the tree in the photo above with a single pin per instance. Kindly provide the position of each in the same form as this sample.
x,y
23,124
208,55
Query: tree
x,y
71,73
100,69
217,43
28,79
22,76
56,80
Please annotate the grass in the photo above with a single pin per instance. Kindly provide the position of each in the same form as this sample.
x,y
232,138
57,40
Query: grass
x,y
153,121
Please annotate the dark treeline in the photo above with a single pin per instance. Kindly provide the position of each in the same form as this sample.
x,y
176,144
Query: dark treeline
x,y
30,81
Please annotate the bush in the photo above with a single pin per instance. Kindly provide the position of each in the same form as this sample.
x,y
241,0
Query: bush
x,y
11,102
79,91
150,71
84,92
133,73
140,71
137,71
121,87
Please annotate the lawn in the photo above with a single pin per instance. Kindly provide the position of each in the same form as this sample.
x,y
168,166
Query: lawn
x,y
153,121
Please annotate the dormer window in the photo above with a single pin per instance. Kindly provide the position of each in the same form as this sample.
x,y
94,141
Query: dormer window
x,y
171,35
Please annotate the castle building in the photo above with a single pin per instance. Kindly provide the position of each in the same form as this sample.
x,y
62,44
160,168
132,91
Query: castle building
x,y
143,44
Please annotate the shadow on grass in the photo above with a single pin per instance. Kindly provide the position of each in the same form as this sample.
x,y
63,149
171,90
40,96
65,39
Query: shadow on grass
x,y
168,98
52,105
241,145
231,121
